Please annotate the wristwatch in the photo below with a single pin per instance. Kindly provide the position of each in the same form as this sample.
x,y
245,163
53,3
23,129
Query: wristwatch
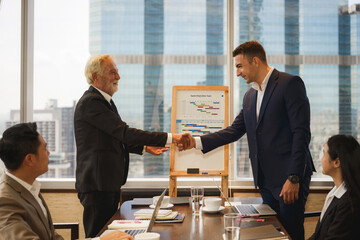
x,y
294,179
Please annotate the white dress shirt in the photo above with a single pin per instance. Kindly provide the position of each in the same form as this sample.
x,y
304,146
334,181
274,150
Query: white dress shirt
x,y
260,95
335,192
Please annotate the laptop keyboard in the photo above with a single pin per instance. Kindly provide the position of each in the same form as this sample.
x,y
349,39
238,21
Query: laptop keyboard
x,y
133,232
247,209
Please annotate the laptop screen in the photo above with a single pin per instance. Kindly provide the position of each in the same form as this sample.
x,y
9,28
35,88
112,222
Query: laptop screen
x,y
156,210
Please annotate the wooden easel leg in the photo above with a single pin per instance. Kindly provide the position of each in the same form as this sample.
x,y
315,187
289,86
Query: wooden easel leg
x,y
173,186
225,185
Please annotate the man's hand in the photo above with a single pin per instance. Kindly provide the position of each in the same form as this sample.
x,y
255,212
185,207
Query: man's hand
x,y
156,150
190,140
290,192
117,235
184,141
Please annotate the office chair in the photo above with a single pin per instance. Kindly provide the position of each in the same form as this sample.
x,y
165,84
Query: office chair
x,y
74,228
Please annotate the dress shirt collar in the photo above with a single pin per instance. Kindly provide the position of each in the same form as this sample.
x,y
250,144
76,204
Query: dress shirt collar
x,y
34,188
338,192
105,95
256,86
335,192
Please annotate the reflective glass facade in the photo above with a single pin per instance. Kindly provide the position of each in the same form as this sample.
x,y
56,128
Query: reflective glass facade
x,y
158,44
161,43
317,40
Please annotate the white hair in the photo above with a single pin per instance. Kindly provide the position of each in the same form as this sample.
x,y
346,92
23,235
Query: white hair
x,y
93,65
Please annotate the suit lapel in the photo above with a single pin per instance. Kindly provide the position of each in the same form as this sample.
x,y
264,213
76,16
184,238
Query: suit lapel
x,y
253,107
332,206
112,108
268,92
50,222
27,196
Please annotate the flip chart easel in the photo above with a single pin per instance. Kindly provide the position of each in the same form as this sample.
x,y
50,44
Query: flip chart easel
x,y
199,110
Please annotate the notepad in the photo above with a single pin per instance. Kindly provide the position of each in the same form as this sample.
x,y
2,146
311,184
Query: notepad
x,y
147,213
129,224
179,218
262,232
172,215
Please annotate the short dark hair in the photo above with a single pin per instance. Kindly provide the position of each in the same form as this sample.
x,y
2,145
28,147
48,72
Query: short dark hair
x,y
250,50
18,141
347,149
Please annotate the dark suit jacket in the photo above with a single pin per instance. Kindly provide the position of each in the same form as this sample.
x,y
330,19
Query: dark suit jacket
x,y
103,144
21,216
279,140
340,221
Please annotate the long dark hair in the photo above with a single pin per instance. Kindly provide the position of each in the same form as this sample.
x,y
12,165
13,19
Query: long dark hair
x,y
347,149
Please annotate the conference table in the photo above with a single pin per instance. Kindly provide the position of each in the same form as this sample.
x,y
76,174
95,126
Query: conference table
x,y
206,226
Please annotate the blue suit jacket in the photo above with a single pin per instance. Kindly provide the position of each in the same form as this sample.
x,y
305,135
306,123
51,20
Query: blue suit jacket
x,y
279,140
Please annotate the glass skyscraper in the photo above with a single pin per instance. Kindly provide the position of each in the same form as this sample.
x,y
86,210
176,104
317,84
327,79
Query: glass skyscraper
x,y
317,40
161,43
158,44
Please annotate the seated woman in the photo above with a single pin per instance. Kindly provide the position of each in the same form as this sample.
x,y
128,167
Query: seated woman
x,y
340,215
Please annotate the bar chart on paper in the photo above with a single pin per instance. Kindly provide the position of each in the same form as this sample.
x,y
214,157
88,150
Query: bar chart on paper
x,y
198,128
200,113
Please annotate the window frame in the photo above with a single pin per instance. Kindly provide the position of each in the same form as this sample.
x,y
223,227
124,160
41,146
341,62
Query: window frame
x,y
26,112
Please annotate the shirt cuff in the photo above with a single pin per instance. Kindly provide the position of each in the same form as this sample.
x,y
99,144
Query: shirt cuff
x,y
198,143
169,138
97,238
144,150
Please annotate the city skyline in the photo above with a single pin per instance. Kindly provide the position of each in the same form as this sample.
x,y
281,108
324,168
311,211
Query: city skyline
x,y
152,51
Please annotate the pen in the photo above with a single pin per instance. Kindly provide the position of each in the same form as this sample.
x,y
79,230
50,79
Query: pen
x,y
204,173
252,220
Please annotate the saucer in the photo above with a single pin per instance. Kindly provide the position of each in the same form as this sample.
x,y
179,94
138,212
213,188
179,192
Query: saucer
x,y
170,205
204,209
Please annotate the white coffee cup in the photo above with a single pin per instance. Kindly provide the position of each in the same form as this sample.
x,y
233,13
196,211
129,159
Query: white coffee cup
x,y
147,236
165,202
212,204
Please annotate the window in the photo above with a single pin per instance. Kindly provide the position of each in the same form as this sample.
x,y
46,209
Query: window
x,y
61,49
10,14
161,43
158,44
319,44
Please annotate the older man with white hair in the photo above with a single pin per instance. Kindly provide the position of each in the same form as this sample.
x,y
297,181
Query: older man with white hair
x,y
103,142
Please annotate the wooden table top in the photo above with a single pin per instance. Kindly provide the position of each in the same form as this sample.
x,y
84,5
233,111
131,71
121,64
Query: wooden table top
x,y
205,226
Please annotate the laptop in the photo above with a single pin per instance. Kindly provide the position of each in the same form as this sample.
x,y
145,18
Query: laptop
x,y
135,231
250,210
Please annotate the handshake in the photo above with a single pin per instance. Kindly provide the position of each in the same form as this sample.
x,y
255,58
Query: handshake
x,y
183,141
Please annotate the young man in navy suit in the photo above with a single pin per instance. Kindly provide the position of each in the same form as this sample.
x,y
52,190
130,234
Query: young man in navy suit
x,y
276,118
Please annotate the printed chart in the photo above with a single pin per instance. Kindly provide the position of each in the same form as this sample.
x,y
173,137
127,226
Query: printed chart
x,y
200,112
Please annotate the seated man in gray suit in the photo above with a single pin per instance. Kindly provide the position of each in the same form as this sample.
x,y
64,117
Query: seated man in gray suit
x,y
23,211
